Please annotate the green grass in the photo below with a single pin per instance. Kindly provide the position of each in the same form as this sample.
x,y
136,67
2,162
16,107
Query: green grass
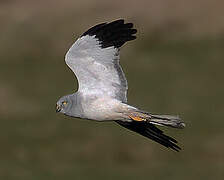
x,y
182,77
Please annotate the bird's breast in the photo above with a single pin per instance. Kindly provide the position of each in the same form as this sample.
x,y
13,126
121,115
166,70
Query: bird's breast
x,y
103,109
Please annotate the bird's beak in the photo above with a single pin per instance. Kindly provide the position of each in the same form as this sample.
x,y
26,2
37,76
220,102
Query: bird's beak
x,y
58,108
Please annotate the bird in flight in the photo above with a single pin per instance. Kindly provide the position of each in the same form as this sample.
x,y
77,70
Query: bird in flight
x,y
102,92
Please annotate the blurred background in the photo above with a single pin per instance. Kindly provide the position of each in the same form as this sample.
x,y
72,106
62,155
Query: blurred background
x,y
175,66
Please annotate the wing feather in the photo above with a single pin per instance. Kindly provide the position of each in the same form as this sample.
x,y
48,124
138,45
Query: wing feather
x,y
152,132
94,58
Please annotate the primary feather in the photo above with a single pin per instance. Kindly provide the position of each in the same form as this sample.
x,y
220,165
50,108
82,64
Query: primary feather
x,y
94,58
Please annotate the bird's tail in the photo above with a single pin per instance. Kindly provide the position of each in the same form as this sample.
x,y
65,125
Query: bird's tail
x,y
144,124
162,120
167,120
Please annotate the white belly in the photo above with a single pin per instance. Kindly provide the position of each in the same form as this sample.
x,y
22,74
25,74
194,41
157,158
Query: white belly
x,y
103,109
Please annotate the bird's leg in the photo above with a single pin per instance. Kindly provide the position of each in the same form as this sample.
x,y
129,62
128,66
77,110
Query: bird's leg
x,y
138,116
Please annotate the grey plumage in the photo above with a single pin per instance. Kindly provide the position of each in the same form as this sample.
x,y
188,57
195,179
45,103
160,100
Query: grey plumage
x,y
102,91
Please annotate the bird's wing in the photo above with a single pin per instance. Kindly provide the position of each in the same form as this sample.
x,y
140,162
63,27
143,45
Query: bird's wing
x,y
94,58
152,132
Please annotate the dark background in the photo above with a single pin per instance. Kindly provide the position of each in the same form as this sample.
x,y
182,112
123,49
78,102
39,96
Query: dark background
x,y
174,67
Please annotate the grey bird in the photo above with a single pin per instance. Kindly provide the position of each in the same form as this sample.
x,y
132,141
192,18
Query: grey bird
x,y
102,91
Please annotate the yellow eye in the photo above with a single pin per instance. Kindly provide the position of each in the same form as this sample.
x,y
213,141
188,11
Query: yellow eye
x,y
65,102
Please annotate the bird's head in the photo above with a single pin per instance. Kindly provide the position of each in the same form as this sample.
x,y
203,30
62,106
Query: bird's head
x,y
64,104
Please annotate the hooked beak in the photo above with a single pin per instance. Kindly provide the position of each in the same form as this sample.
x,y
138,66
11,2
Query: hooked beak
x,y
58,108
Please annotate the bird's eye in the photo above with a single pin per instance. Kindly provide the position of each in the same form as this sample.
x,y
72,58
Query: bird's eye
x,y
64,102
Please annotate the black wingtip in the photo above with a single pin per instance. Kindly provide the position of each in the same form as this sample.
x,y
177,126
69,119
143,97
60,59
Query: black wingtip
x,y
152,132
115,33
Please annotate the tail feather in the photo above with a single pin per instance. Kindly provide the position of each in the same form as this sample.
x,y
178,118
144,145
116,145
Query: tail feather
x,y
167,120
152,132
162,120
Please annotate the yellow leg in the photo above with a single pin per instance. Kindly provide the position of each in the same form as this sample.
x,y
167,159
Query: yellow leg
x,y
136,118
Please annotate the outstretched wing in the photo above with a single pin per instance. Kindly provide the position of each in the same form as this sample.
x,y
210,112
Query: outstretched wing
x,y
152,132
94,58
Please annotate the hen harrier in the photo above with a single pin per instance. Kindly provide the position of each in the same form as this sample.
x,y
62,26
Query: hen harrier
x,y
102,92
